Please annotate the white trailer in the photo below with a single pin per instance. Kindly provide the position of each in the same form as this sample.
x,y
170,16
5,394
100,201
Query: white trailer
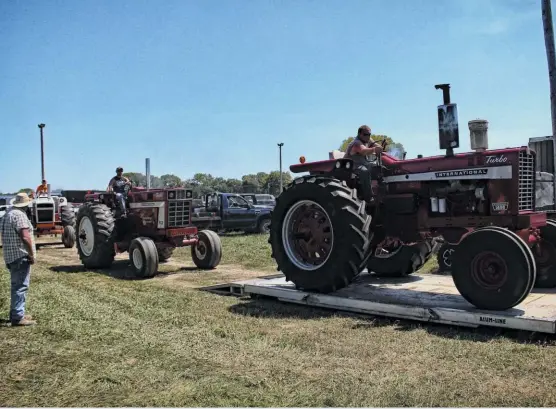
x,y
421,297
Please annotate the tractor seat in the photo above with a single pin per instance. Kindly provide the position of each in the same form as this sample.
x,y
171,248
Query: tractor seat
x,y
336,154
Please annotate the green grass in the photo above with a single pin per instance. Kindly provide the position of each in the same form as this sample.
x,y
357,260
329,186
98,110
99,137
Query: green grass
x,y
104,341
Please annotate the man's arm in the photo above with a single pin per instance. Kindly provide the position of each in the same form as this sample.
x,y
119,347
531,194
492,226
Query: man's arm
x,y
22,227
109,188
362,150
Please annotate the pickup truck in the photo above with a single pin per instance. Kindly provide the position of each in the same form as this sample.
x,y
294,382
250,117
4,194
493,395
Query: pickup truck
x,y
259,199
230,212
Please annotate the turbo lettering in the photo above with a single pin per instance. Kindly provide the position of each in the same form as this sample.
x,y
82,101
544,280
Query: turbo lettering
x,y
496,159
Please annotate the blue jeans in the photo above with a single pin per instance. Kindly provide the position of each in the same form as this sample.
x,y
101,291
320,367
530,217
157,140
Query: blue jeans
x,y
20,271
121,200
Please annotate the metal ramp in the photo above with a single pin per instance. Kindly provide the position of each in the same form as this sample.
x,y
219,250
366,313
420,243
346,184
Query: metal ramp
x,y
427,297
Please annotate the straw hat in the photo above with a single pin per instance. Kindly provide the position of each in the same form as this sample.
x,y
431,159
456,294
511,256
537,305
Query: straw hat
x,y
21,200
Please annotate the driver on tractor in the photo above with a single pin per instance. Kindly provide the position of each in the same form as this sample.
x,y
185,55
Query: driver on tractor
x,y
357,151
117,185
42,188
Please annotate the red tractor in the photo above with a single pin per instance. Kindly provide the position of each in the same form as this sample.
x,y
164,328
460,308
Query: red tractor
x,y
323,234
157,221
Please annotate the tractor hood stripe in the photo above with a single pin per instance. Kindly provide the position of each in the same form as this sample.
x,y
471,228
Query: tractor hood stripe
x,y
495,172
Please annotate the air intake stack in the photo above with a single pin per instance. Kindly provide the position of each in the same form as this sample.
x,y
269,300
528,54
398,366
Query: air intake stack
x,y
478,134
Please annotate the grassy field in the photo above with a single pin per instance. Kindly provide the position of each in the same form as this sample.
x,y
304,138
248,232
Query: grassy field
x,y
107,341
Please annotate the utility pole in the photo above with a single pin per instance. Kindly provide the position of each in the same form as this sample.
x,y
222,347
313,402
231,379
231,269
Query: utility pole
x,y
280,148
41,126
550,56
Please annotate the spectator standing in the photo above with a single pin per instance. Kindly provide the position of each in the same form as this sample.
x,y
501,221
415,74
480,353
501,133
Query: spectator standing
x,y
19,254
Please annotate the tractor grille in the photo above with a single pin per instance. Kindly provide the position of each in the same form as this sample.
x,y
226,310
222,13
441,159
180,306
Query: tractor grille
x,y
526,184
179,212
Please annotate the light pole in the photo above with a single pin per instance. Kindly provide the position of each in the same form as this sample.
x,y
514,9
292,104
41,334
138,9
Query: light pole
x,y
41,126
280,148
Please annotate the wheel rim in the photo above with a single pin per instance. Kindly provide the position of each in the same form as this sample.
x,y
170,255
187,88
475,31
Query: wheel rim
x,y
137,258
201,250
447,257
489,270
307,235
86,236
266,226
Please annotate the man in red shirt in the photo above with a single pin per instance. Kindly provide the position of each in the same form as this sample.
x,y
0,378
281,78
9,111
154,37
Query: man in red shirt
x,y
358,151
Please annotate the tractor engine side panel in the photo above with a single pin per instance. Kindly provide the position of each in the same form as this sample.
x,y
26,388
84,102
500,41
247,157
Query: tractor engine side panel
x,y
469,197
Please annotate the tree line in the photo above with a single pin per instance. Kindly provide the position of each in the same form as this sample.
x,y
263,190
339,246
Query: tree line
x,y
261,182
203,183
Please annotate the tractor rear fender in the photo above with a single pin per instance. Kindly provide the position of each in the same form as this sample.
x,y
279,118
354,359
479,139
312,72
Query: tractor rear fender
x,y
322,166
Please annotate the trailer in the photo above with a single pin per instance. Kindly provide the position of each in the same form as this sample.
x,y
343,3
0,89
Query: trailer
x,y
420,297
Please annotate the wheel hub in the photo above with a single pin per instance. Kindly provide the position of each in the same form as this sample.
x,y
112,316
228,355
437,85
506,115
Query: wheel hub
x,y
447,257
489,270
307,235
86,236
201,250
137,259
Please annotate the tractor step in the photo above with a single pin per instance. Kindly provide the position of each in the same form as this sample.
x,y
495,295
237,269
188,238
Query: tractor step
x,y
426,297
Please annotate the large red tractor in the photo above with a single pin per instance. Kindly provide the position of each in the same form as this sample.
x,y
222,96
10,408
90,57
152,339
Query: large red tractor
x,y
323,234
157,221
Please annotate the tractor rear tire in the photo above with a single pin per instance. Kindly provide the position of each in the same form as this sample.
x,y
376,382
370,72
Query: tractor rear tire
x,y
67,215
207,253
546,261
319,234
95,235
263,227
444,257
407,260
492,270
68,237
143,257
165,253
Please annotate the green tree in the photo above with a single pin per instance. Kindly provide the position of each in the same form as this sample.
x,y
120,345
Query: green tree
x,y
171,180
391,145
272,185
137,179
233,185
250,184
27,190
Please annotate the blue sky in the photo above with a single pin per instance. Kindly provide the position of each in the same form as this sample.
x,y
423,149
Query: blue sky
x,y
213,86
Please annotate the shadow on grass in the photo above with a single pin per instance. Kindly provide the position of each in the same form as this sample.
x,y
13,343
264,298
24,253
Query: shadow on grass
x,y
265,307
120,269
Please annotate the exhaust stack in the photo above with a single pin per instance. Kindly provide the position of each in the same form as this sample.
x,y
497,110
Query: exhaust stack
x,y
478,134
148,172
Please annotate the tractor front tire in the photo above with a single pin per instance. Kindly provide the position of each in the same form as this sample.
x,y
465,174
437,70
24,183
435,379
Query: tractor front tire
x,y
68,237
492,269
67,215
165,253
319,234
143,257
207,253
407,260
95,235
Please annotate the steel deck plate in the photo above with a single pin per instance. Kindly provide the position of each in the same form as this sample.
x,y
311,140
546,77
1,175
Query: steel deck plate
x,y
426,297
